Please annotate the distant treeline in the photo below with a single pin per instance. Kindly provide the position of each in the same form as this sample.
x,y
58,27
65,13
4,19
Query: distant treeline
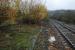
x,y
64,15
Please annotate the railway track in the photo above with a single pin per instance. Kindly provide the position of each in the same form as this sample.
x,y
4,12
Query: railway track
x,y
70,28
66,32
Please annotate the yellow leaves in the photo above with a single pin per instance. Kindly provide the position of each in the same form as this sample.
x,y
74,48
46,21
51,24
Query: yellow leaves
x,y
39,12
28,10
17,3
12,15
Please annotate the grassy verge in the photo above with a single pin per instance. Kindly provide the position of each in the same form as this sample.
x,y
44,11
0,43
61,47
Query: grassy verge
x,y
21,37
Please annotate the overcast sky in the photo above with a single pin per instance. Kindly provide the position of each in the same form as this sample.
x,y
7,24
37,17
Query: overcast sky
x,y
60,4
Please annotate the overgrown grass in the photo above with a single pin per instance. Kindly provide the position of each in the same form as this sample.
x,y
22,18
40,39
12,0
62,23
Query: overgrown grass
x,y
25,39
22,37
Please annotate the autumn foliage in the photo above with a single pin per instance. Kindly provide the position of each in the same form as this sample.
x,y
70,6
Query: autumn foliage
x,y
12,15
29,11
39,12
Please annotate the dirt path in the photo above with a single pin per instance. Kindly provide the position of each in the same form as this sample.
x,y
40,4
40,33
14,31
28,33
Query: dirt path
x,y
43,39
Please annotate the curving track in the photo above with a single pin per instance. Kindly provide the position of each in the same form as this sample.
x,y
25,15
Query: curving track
x,y
66,32
69,27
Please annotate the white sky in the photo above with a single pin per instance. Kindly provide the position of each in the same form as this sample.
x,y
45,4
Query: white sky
x,y
60,4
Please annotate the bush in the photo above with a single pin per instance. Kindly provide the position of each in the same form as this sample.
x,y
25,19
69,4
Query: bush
x,y
36,14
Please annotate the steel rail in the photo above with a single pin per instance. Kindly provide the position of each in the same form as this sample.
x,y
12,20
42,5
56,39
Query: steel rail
x,y
64,35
